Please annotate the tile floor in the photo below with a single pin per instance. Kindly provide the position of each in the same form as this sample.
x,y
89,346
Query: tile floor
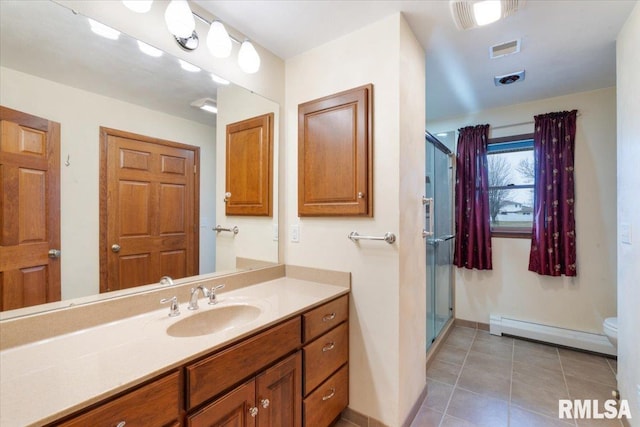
x,y
481,380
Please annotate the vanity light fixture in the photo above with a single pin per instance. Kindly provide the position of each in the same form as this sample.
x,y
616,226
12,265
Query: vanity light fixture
x,y
219,79
188,66
138,6
179,19
207,104
218,40
149,50
103,30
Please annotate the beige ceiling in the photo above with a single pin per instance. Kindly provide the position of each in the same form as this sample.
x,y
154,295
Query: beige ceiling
x,y
567,45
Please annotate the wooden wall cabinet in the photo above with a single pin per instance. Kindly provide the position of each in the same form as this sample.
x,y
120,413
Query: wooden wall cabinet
x,y
249,167
335,154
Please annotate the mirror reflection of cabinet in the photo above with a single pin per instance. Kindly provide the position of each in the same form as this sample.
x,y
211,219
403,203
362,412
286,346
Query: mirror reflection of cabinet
x,y
249,166
335,164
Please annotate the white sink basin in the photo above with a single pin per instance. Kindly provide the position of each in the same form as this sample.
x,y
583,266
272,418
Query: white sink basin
x,y
214,320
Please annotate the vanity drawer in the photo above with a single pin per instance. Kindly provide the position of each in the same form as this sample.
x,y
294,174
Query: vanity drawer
x,y
325,317
157,403
325,404
215,374
324,356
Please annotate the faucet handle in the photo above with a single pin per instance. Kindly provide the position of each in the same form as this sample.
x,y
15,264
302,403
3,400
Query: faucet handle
x,y
212,294
174,309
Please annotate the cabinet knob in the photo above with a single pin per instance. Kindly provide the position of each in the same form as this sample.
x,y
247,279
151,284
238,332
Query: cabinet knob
x,y
265,403
121,424
253,411
328,346
227,196
360,195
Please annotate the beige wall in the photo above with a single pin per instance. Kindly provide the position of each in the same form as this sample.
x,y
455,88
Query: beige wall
x,y
255,239
580,303
628,57
80,115
383,380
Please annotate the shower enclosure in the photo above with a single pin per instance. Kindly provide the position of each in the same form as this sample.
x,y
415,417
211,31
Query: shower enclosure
x,y
439,234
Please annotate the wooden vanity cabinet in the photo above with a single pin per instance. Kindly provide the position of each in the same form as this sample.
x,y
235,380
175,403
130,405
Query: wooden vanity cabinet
x,y
271,399
325,357
158,403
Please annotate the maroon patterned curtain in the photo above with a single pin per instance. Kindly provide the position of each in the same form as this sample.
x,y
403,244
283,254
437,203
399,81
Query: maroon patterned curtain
x,y
553,240
473,231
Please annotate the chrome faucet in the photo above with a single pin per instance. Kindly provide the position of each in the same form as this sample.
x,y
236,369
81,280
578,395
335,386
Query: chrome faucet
x,y
166,280
193,301
212,294
174,309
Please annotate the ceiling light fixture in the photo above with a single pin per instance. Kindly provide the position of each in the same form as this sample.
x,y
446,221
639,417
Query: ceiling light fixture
x,y
219,79
149,50
218,40
138,6
179,19
487,12
103,30
207,104
248,58
469,14
188,66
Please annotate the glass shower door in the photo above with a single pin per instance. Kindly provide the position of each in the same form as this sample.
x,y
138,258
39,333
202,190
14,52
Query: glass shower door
x,y
439,244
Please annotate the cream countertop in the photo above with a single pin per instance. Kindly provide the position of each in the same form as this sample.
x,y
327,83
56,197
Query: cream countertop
x,y
45,380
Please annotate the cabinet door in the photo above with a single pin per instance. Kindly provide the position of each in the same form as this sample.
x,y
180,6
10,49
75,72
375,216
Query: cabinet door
x,y
279,394
235,409
335,176
249,164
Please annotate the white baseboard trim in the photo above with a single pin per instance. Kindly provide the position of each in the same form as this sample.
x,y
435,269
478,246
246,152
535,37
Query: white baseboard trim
x,y
598,343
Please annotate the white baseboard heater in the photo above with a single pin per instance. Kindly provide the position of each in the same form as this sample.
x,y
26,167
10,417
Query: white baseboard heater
x,y
598,343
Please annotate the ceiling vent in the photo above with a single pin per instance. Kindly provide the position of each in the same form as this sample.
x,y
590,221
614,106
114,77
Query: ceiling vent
x,y
508,79
463,11
504,49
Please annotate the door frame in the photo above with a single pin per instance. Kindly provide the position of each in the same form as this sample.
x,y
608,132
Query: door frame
x,y
105,133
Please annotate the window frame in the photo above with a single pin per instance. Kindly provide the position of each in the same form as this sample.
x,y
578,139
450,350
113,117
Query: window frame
x,y
512,232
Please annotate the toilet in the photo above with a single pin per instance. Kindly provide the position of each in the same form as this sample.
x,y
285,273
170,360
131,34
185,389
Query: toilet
x,y
610,327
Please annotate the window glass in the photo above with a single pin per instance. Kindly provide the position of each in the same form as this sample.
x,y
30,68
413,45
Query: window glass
x,y
511,185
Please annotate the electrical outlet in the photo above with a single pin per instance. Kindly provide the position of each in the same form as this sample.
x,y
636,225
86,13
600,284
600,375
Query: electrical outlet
x,y
275,232
295,233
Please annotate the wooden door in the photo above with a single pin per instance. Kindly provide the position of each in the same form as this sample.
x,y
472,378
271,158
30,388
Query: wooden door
x,y
279,394
335,155
249,167
234,409
149,210
29,210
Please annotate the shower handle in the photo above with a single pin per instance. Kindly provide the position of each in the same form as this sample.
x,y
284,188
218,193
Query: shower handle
x,y
429,202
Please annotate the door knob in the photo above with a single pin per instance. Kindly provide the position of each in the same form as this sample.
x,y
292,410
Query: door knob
x,y
115,248
54,253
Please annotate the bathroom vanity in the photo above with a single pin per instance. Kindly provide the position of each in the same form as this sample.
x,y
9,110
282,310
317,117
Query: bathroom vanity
x,y
279,357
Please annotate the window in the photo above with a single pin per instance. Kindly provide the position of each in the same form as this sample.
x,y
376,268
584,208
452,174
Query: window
x,y
511,185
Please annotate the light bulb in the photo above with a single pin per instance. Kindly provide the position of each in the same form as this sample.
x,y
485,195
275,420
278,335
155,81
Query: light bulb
x,y
486,12
218,40
179,19
248,58
138,6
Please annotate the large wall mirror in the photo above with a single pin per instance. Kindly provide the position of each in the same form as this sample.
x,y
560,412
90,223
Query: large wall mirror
x,y
52,65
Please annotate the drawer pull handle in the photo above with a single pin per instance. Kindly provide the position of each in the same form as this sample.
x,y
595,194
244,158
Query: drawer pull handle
x,y
330,395
121,424
328,317
329,346
253,411
265,403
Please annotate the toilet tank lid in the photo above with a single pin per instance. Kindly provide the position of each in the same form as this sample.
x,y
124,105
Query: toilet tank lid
x,y
611,322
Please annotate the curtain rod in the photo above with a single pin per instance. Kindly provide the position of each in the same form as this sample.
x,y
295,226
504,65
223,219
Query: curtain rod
x,y
521,123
